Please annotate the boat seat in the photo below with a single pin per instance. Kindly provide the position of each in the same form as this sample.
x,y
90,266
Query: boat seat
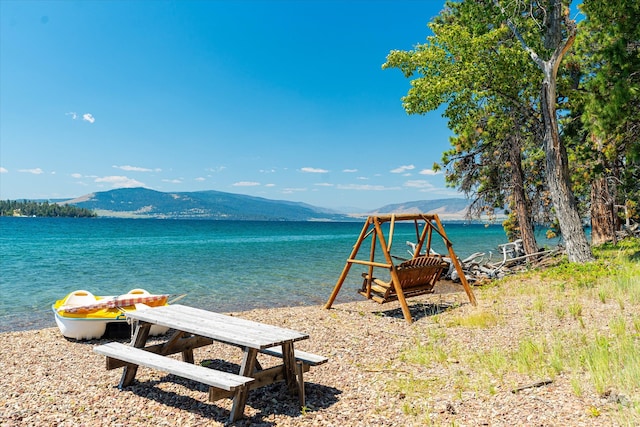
x,y
79,298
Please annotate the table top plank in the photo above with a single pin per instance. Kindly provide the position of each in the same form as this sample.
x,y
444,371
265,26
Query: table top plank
x,y
220,327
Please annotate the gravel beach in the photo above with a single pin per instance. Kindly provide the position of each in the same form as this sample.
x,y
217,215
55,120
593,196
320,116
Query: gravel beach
x,y
48,380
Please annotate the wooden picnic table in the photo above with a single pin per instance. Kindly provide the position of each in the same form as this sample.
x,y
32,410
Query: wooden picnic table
x,y
195,328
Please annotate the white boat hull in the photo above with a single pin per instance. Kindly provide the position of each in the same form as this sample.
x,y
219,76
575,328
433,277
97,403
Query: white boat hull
x,y
90,329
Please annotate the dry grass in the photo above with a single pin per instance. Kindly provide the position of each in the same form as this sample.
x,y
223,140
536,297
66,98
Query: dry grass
x,y
569,328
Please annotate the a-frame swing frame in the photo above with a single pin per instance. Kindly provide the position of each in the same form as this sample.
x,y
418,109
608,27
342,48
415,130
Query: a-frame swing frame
x,y
425,225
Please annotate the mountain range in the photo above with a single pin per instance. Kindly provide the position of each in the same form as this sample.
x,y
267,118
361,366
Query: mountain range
x,y
146,203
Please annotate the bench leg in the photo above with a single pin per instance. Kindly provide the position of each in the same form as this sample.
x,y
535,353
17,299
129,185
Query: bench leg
x,y
299,371
187,356
139,340
289,362
247,369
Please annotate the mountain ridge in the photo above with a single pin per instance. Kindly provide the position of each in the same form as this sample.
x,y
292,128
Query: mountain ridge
x,y
212,204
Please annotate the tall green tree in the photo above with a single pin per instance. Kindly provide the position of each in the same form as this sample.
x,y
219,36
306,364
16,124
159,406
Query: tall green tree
x,y
479,63
473,65
607,102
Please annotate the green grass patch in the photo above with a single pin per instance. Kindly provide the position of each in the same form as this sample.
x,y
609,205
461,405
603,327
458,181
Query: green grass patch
x,y
428,350
480,319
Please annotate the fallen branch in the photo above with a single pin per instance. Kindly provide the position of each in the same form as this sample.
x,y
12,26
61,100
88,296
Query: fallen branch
x,y
393,371
532,385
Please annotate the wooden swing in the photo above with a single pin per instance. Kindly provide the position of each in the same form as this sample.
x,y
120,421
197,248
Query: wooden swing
x,y
416,276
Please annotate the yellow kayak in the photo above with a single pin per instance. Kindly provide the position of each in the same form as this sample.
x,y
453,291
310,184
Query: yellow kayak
x,y
81,315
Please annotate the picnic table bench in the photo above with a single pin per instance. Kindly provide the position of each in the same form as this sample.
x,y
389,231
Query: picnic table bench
x,y
212,377
194,328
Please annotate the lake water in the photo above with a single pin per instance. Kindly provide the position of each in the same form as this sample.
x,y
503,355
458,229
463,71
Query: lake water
x,y
220,265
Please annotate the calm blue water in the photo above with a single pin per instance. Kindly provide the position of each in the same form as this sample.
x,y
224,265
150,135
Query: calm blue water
x,y
220,265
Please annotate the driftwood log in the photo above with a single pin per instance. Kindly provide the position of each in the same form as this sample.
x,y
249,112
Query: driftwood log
x,y
480,267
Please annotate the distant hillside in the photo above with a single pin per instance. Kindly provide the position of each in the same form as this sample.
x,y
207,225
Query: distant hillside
x,y
444,208
145,203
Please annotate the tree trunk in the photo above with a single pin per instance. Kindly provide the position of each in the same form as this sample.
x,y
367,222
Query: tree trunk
x,y
566,208
557,172
602,213
520,200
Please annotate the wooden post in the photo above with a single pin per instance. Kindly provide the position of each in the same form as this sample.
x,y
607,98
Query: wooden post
x,y
347,266
401,299
372,258
247,369
289,362
456,263
392,227
394,275
423,234
139,340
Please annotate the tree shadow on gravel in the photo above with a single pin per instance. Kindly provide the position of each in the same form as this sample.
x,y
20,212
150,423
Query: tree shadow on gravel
x,y
275,399
270,400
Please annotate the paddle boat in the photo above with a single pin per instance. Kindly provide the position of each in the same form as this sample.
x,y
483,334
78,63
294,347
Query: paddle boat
x,y
84,316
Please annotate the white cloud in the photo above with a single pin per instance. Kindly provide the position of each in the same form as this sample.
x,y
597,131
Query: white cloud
x,y
293,190
363,187
349,170
269,185
172,181
76,175
313,170
87,117
3,170
418,183
136,168
429,172
200,179
246,184
403,169
216,169
323,184
36,171
119,181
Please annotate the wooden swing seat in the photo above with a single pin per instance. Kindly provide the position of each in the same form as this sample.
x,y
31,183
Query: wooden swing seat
x,y
416,276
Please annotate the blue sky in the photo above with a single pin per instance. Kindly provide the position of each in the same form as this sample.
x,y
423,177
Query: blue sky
x,y
279,99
